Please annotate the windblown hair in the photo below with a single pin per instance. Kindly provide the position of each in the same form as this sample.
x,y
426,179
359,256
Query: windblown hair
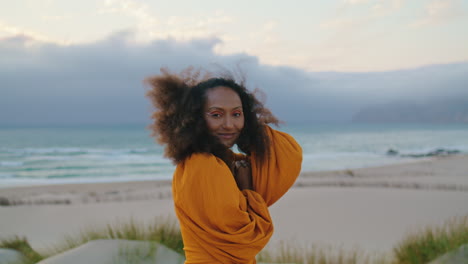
x,y
179,122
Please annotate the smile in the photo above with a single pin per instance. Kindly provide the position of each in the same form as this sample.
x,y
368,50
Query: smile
x,y
227,135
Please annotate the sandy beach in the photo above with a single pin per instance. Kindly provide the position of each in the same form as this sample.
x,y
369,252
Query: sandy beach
x,y
369,208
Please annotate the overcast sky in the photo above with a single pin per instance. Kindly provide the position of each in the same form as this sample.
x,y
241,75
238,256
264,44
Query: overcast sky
x,y
84,61
319,35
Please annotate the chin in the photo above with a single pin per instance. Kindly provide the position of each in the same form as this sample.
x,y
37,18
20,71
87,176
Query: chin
x,y
228,145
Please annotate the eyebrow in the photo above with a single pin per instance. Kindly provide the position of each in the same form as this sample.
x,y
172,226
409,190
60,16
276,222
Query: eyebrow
x,y
220,108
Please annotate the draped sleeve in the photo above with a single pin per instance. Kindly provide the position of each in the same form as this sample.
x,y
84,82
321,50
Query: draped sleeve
x,y
273,178
219,223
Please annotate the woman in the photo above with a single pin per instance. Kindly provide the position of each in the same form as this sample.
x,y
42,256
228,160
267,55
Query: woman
x,y
221,198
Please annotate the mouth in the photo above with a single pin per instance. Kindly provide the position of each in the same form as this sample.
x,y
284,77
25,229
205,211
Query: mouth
x,y
227,136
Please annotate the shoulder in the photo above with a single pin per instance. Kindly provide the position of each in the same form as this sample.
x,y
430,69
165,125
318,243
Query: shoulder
x,y
202,162
273,132
197,158
282,138
201,170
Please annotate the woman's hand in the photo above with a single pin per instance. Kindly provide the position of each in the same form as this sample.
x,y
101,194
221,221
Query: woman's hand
x,y
243,174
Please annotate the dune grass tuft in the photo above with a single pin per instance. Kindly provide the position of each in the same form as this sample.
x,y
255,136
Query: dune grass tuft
x,y
21,245
290,253
136,255
432,242
162,231
420,247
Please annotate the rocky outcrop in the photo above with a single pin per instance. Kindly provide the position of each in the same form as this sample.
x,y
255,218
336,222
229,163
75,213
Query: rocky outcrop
x,y
435,153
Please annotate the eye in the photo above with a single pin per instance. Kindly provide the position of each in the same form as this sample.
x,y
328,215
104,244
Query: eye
x,y
237,113
215,114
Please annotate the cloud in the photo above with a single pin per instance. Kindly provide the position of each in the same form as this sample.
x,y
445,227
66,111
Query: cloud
x,y
378,6
134,9
356,28
55,18
343,24
438,12
386,8
101,82
355,2
8,31
356,14
149,27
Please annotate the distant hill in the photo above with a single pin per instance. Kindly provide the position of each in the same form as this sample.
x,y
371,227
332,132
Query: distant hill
x,y
454,111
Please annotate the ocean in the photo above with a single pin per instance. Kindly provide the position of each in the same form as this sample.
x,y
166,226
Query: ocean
x,y
53,155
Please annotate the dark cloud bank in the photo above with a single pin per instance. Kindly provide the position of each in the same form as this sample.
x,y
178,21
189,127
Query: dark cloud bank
x,y
101,83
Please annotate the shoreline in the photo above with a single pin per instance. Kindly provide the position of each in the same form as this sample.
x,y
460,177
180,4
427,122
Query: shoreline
x,y
308,173
68,193
369,207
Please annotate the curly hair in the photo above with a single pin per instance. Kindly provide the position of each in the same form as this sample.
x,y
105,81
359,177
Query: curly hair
x,y
179,122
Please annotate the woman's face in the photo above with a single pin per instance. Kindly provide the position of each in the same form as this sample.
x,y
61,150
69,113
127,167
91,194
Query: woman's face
x,y
223,114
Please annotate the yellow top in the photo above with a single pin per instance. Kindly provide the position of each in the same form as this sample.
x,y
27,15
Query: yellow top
x,y
219,222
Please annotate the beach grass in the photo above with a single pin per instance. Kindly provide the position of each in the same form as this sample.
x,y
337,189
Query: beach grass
x,y
288,252
21,245
163,231
421,246
136,255
426,245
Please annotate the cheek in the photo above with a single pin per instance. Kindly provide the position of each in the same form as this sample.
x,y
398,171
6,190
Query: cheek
x,y
211,124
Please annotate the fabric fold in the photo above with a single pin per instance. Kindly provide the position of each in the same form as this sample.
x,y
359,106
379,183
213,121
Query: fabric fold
x,y
219,222
279,172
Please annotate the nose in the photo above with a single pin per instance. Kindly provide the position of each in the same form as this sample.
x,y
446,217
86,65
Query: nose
x,y
228,123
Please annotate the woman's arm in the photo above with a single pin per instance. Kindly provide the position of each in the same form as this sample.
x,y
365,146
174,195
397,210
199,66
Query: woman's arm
x,y
243,175
273,178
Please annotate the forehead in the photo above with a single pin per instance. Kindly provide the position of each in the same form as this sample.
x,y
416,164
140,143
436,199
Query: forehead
x,y
222,97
